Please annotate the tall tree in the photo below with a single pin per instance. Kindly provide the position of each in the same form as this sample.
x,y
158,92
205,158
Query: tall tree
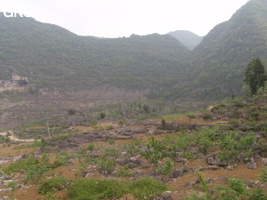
x,y
254,75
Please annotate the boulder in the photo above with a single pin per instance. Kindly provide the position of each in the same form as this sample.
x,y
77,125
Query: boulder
x,y
251,164
177,173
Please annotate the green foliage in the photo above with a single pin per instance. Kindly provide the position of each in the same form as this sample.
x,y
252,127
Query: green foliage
x,y
204,187
233,122
155,151
35,168
166,168
71,111
207,117
237,185
93,189
254,75
102,115
124,171
53,185
205,139
12,186
163,123
254,115
145,187
235,189
258,194
90,147
122,122
111,142
107,165
263,175
49,196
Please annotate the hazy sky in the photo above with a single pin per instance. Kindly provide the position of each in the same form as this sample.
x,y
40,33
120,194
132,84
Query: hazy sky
x,y
117,18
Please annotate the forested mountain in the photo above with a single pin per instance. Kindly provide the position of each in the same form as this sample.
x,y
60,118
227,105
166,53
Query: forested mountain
x,y
189,39
220,59
52,56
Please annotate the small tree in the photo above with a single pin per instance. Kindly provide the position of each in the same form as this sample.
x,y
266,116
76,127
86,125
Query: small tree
x,y
71,111
254,75
102,115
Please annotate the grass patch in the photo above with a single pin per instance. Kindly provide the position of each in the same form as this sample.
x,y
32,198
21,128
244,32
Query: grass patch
x,y
94,189
52,185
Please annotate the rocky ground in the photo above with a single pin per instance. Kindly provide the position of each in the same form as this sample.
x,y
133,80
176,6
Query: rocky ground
x,y
225,143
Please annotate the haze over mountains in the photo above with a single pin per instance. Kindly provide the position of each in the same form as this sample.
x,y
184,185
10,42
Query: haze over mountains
x,y
160,65
189,39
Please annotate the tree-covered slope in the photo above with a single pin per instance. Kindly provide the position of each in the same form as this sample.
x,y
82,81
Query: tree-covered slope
x,y
220,59
52,56
189,39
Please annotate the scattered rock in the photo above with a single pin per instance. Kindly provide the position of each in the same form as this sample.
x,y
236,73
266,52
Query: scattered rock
x,y
251,164
264,160
165,196
177,173
214,160
179,157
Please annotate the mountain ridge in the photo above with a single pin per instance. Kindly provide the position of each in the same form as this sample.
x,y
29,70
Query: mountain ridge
x,y
158,64
188,38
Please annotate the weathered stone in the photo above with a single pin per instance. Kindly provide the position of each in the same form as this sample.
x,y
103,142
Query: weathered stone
x,y
252,164
214,160
177,173
264,160
179,157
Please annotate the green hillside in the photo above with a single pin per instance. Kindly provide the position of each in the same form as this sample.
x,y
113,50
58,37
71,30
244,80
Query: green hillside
x,y
52,56
159,65
220,59
189,39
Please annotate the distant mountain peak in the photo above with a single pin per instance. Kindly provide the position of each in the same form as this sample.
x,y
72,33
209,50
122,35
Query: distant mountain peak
x,y
187,38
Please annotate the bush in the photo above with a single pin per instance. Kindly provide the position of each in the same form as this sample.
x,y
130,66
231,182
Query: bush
x,y
263,175
255,115
102,115
145,187
233,122
53,185
166,168
71,111
207,117
90,147
93,189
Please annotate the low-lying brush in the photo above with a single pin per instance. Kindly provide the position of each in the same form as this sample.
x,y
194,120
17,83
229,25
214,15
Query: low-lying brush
x,y
53,185
94,189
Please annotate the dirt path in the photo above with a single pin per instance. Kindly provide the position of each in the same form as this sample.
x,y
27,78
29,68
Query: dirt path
x,y
12,137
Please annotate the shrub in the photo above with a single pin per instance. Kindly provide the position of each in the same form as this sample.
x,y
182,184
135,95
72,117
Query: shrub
x,y
107,166
207,117
93,189
53,185
237,185
263,175
124,171
166,168
145,187
239,104
111,142
71,111
233,122
255,115
102,115
90,147
163,123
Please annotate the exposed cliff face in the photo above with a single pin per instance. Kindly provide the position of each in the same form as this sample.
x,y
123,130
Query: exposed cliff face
x,y
17,83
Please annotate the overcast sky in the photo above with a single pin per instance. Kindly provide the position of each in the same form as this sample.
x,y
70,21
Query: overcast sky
x,y
118,18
